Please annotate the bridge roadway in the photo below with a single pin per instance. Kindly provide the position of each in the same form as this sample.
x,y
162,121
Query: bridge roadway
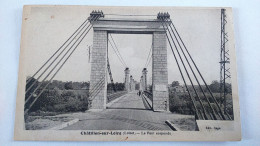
x,y
128,112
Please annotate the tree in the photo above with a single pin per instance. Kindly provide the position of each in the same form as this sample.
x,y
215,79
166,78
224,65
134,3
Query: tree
x,y
68,86
228,88
85,85
214,86
137,86
175,83
120,86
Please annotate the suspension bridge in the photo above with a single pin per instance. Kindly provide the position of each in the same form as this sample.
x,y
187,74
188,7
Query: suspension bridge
x,y
142,103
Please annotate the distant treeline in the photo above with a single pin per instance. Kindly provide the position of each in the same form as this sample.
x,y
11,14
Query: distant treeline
x,y
179,102
214,86
62,96
69,85
118,87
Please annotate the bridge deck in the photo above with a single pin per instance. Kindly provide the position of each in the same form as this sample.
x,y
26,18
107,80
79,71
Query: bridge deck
x,y
129,112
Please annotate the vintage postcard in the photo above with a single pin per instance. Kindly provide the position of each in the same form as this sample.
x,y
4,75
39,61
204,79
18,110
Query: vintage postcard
x,y
98,73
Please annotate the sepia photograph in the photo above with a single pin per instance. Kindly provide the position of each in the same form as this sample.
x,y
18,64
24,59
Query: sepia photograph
x,y
98,73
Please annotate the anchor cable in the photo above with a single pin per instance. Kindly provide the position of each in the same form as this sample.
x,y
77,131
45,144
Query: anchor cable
x,y
26,111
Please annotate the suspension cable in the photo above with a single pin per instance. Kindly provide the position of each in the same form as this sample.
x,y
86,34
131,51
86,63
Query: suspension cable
x,y
29,80
117,49
53,77
222,115
148,57
116,53
192,100
54,67
27,90
214,114
203,108
149,61
94,94
97,87
58,68
110,74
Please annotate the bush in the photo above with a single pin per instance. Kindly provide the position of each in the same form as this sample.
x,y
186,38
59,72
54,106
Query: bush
x,y
61,101
180,103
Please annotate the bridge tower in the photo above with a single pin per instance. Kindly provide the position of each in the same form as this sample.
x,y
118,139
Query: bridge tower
x,y
99,69
102,27
131,83
160,72
127,76
144,79
141,84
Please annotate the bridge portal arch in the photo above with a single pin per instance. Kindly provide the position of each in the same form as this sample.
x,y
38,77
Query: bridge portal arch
x,y
102,27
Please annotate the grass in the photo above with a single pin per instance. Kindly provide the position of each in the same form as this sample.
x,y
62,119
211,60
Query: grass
x,y
41,123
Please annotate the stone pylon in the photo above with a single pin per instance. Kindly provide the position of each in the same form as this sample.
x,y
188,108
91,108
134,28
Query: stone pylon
x,y
98,82
131,82
160,72
141,83
127,82
144,79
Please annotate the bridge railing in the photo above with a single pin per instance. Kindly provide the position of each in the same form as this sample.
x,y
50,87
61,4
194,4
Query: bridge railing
x,y
113,96
148,94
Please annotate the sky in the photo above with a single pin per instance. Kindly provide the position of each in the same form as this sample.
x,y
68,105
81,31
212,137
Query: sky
x,y
46,29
